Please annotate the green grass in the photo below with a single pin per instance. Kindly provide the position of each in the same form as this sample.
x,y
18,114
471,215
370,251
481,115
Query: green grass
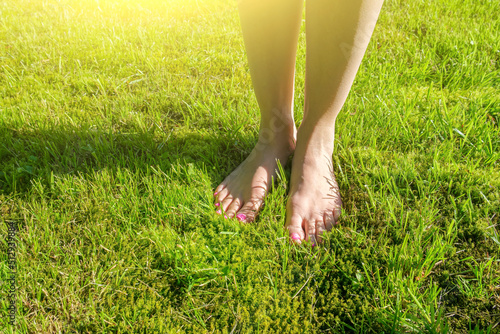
x,y
118,118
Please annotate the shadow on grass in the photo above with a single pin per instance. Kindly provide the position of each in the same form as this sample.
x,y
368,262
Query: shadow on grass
x,y
26,155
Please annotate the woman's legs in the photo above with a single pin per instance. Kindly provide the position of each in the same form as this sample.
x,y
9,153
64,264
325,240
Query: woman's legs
x,y
337,34
270,31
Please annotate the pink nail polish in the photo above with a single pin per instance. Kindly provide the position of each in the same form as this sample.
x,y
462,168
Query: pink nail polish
x,y
215,193
241,217
225,217
295,236
217,204
218,211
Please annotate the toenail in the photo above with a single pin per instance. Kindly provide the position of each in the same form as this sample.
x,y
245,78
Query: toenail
x,y
215,193
241,217
218,211
225,217
313,245
217,204
295,236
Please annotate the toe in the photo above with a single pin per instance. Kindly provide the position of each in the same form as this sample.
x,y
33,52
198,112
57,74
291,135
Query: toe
x,y
242,217
320,229
295,229
336,213
220,187
221,195
310,228
233,207
224,204
329,220
249,210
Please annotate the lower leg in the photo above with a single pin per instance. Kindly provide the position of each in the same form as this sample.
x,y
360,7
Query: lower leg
x,y
337,35
270,32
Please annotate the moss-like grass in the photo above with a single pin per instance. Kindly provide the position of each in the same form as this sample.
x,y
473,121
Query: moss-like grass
x,y
118,118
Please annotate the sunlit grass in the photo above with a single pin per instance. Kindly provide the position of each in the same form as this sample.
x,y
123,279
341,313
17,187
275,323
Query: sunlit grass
x,y
118,119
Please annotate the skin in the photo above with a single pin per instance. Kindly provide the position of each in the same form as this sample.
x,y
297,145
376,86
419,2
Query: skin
x,y
337,35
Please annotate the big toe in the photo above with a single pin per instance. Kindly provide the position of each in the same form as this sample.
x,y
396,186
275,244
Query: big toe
x,y
295,229
249,210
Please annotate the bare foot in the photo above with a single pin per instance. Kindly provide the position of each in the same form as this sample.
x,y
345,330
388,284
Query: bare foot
x,y
242,193
314,205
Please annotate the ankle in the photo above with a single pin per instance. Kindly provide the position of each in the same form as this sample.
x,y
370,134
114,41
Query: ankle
x,y
283,141
316,139
278,133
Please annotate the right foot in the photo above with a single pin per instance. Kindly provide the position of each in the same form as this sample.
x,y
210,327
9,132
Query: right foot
x,y
314,204
242,193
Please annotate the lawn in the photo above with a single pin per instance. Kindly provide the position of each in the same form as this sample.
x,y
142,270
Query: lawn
x,y
118,118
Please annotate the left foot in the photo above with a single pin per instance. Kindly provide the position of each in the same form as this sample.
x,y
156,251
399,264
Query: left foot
x,y
314,205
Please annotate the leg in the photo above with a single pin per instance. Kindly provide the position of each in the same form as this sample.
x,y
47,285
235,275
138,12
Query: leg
x,y
337,34
270,31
